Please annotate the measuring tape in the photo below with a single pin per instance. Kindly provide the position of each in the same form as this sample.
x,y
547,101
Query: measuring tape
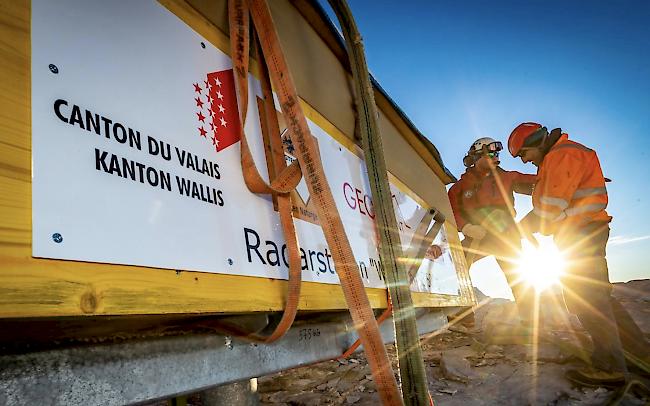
x,y
311,167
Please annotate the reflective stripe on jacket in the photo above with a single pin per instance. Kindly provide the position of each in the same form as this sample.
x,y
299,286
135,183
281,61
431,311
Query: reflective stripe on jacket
x,y
571,189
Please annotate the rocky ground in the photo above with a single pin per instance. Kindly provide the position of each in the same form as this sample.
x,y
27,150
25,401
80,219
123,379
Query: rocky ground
x,y
485,364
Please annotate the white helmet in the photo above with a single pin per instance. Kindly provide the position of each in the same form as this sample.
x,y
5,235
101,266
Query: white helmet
x,y
486,144
481,146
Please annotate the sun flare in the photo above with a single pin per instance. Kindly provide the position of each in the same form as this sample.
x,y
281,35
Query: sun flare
x,y
541,267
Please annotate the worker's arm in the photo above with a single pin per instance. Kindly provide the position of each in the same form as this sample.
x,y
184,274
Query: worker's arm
x,y
473,231
523,183
531,223
455,193
558,181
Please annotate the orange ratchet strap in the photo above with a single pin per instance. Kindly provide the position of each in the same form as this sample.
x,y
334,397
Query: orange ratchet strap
x,y
311,166
414,255
282,184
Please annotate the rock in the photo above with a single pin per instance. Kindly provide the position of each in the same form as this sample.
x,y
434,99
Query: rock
x,y
507,333
495,311
545,352
463,352
574,323
527,386
635,298
482,363
478,346
494,348
270,384
304,399
480,296
350,399
433,356
461,340
455,367
345,385
448,391
322,386
332,383
459,328
349,380
589,397
278,397
493,355
303,383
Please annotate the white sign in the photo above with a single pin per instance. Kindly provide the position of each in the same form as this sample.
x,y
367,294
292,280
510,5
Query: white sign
x,y
136,156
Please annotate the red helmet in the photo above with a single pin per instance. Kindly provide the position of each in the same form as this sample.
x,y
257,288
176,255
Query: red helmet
x,y
525,135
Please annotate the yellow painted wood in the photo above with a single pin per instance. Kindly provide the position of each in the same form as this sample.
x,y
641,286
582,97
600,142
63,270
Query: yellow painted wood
x,y
42,287
34,287
464,280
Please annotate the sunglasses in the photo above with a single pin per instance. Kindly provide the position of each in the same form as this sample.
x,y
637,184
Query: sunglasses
x,y
493,147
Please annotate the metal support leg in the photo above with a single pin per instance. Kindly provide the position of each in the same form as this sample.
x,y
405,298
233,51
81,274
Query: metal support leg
x,y
242,393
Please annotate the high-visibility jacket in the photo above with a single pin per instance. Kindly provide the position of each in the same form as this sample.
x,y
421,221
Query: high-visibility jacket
x,y
570,191
477,194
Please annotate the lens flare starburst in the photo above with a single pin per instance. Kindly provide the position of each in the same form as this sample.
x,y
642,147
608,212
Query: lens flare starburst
x,y
541,267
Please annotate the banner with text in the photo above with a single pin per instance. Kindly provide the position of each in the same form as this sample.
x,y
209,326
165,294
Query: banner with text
x,y
136,157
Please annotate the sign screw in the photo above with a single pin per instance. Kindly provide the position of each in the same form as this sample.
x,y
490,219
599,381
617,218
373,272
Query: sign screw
x,y
53,68
230,261
57,238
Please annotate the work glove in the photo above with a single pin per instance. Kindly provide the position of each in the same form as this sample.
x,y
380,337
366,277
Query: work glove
x,y
473,231
433,252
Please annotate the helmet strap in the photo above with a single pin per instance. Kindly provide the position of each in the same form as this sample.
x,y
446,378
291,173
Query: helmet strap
x,y
469,160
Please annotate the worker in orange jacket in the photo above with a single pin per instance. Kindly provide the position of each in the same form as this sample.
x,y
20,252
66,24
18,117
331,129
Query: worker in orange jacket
x,y
569,202
482,202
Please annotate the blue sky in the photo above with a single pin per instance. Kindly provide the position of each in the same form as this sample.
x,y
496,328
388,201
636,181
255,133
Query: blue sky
x,y
464,70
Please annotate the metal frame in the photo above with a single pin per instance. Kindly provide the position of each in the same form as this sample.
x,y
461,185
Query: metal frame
x,y
139,371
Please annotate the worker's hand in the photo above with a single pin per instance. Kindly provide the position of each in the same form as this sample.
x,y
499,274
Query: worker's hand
x,y
530,224
474,231
532,239
433,252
